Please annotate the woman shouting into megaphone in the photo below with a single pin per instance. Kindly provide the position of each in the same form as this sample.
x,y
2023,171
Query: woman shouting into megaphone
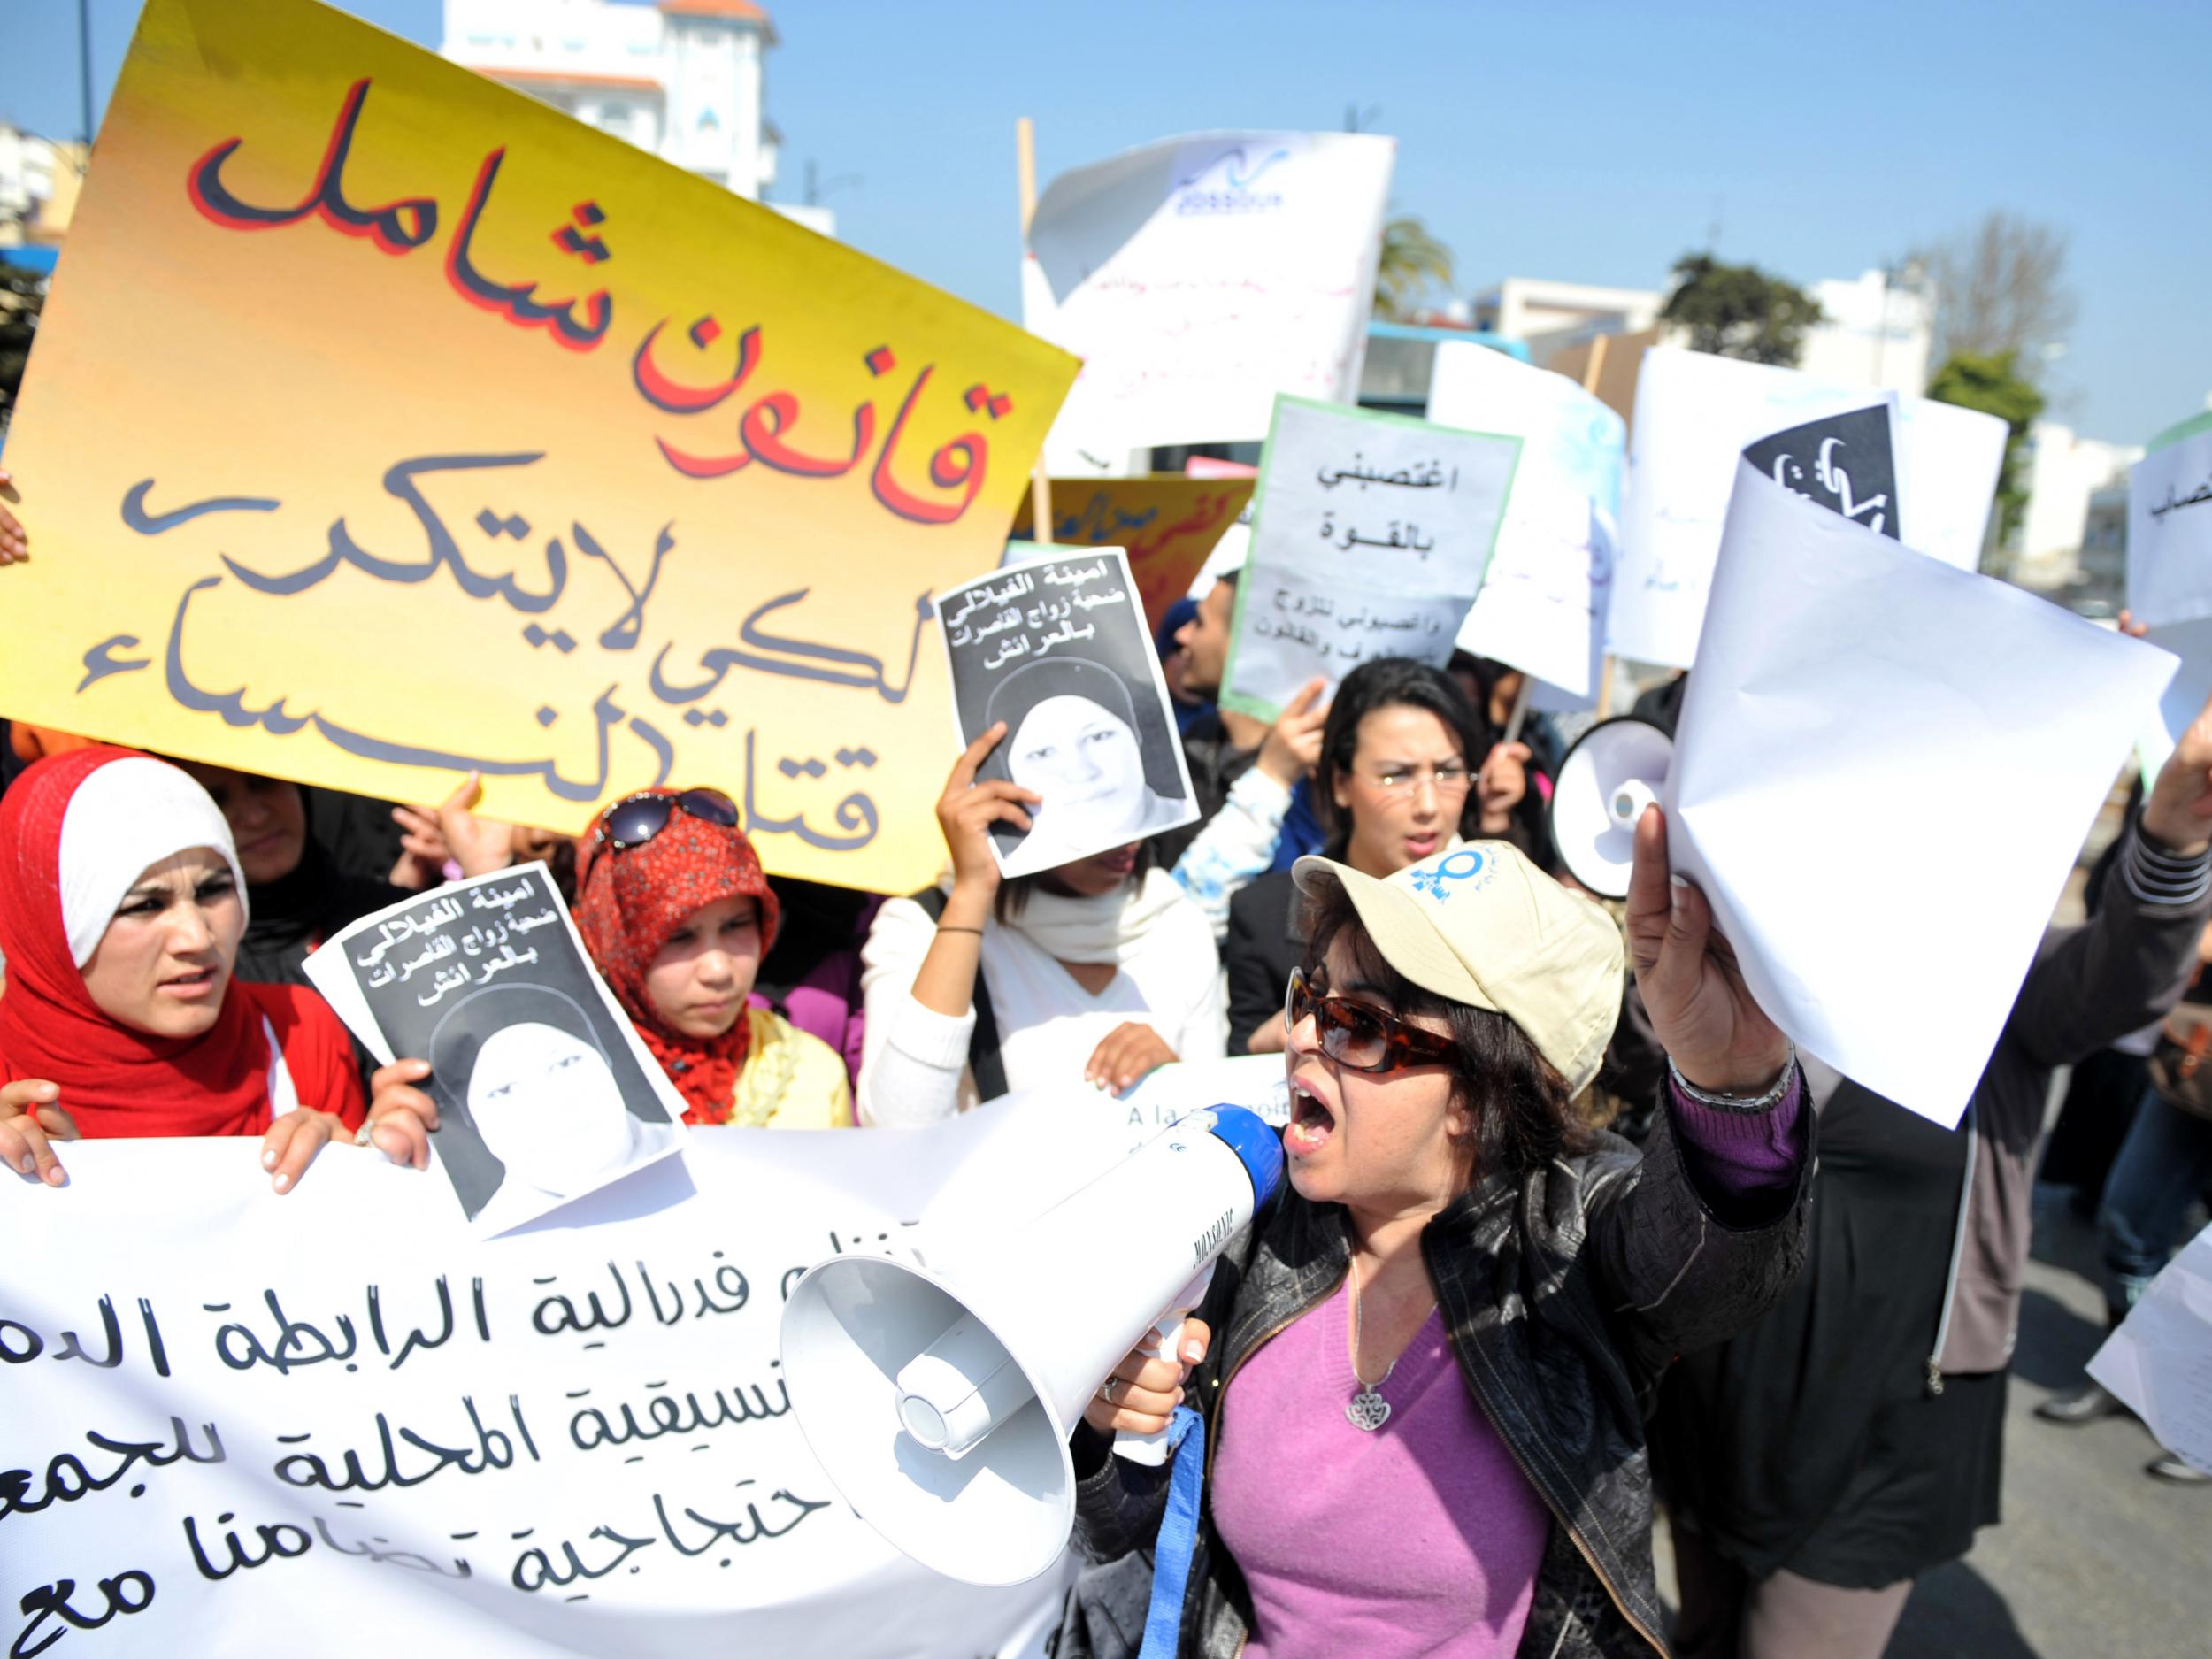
x,y
1422,1377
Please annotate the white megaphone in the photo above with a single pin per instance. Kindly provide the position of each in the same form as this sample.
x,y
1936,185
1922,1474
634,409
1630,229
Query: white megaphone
x,y
939,1400
1615,771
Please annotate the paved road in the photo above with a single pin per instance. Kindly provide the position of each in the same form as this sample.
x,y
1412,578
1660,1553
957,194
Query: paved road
x,y
2094,1558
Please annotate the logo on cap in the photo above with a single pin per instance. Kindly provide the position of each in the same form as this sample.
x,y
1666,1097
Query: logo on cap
x,y
1439,879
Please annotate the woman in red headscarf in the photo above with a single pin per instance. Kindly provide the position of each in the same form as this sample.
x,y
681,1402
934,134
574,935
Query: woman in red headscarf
x,y
676,912
121,907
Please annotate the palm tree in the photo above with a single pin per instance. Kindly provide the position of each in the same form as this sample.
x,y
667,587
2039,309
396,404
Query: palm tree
x,y
1413,261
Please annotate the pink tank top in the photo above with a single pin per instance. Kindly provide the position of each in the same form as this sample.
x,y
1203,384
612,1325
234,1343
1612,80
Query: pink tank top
x,y
1421,1538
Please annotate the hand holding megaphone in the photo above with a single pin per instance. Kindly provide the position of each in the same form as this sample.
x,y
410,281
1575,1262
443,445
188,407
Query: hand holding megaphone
x,y
1139,1394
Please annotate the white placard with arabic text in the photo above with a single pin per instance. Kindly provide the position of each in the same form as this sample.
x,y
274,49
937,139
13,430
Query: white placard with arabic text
x,y
333,1422
1543,601
2170,528
1200,276
1370,535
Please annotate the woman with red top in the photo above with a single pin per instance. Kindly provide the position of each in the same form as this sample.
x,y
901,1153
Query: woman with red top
x,y
121,907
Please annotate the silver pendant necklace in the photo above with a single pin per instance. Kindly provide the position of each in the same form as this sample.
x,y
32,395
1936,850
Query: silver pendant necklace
x,y
1366,1410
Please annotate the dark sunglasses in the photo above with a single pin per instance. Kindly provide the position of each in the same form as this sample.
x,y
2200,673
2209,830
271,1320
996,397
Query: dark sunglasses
x,y
636,820
1353,1035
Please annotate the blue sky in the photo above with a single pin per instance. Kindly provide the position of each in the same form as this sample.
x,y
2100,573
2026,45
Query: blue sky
x,y
1572,140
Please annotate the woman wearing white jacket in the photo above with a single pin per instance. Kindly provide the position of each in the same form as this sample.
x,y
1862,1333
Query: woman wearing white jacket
x,y
1092,973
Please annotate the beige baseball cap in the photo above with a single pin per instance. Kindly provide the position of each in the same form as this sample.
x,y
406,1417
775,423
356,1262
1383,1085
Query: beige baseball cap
x,y
1482,926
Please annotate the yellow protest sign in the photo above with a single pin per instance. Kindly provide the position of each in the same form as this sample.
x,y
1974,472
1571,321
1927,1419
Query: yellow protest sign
x,y
386,424
1167,522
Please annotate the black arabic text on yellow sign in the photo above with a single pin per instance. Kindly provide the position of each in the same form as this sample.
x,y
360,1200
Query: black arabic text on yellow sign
x,y
386,424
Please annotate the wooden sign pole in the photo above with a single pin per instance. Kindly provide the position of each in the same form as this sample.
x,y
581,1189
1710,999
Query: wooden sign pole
x,y
1025,172
1519,716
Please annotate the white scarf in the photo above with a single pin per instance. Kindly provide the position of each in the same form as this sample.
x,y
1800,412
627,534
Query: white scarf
x,y
126,817
1113,927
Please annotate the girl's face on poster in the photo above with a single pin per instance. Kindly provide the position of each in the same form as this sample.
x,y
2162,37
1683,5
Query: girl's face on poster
x,y
546,1106
164,964
699,981
1083,759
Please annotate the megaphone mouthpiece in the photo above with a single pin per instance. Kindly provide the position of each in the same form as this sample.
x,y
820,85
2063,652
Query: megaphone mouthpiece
x,y
1629,802
958,1389
1615,771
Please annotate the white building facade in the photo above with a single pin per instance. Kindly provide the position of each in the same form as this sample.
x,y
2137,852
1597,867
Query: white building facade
x,y
1877,331
2064,472
683,78
38,186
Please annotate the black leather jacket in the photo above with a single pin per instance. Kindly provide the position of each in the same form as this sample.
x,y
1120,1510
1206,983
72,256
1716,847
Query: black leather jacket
x,y
1566,1297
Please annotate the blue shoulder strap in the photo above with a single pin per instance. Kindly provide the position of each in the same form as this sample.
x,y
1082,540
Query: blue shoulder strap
x,y
1177,1541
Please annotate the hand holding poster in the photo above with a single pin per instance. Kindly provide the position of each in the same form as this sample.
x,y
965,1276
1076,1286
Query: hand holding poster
x,y
544,1092
523,453
1696,414
1855,711
1543,599
1199,277
1371,534
1057,649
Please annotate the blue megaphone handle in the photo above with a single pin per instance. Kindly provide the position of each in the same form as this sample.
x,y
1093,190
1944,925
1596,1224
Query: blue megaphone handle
x,y
1258,1145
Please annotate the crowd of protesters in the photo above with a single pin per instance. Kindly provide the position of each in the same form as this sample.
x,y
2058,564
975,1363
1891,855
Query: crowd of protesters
x,y
1556,1249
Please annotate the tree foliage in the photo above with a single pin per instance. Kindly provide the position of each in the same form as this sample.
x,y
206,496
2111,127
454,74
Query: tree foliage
x,y
22,292
1737,311
2000,289
1991,382
1413,261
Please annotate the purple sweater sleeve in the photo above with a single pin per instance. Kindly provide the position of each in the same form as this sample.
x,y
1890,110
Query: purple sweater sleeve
x,y
1744,1164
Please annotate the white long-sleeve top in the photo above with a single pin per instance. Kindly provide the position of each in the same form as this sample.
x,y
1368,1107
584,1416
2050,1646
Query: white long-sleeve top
x,y
914,1060
1235,847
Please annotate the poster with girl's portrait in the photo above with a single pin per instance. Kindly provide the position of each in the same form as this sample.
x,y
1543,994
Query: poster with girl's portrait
x,y
1058,650
544,1093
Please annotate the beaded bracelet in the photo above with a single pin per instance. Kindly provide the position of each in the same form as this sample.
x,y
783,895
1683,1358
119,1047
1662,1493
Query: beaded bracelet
x,y
1738,1102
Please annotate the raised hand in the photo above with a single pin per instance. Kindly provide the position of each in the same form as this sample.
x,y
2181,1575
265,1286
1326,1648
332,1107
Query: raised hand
x,y
1703,1014
1291,746
2178,812
967,810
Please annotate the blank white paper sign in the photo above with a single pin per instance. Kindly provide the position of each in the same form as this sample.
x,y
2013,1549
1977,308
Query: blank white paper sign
x,y
2159,1362
2186,694
1883,771
1542,604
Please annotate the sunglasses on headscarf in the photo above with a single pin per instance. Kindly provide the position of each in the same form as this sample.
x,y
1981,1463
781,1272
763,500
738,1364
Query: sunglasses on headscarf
x,y
636,820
